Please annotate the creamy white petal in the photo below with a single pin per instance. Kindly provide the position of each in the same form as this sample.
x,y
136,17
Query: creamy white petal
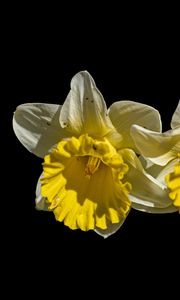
x,y
176,117
154,210
124,114
159,172
115,138
146,190
39,200
160,148
110,230
84,110
37,126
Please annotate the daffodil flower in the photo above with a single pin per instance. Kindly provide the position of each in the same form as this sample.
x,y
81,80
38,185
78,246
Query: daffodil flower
x,y
90,171
163,150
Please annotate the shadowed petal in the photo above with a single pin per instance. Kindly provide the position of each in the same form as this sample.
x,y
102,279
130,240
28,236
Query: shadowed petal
x,y
41,203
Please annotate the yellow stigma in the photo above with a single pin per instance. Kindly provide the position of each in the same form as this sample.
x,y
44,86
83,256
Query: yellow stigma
x,y
83,182
92,165
173,183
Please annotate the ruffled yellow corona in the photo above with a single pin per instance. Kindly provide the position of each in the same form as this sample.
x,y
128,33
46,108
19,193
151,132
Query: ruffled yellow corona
x,y
173,183
83,183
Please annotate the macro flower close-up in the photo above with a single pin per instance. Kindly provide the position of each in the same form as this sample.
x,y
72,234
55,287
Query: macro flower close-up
x,y
162,152
92,175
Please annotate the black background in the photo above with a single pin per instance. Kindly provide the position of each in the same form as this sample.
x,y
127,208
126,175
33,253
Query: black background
x,y
130,56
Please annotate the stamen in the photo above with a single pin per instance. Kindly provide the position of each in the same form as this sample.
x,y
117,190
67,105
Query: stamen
x,y
92,165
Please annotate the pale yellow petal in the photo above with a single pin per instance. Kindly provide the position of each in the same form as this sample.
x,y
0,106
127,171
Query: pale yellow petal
x,y
160,148
84,110
113,228
175,122
124,114
40,201
146,190
155,210
37,126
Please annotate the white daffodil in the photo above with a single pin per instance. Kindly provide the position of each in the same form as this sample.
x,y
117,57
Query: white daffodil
x,y
163,150
90,169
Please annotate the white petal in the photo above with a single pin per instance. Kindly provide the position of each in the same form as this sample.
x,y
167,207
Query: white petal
x,y
176,117
37,127
40,201
159,172
124,114
84,110
115,138
154,210
146,190
160,148
110,230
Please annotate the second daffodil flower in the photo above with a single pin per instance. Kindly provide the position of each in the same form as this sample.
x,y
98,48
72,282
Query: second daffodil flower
x,y
90,171
162,150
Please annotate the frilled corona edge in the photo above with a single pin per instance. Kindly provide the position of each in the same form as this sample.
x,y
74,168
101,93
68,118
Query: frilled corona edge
x,y
83,183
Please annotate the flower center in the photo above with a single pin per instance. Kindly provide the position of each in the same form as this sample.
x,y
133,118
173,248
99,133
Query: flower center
x,y
92,165
173,183
83,182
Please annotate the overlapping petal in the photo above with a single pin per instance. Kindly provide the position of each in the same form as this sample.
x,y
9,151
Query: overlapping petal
x,y
40,201
37,126
146,190
124,114
160,172
160,148
175,122
164,174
